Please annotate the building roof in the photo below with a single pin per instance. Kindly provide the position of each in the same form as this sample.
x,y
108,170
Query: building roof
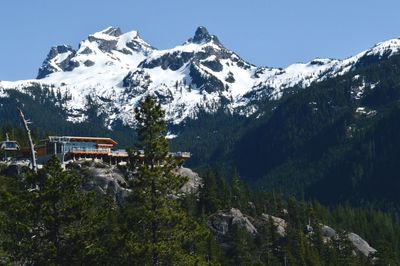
x,y
108,141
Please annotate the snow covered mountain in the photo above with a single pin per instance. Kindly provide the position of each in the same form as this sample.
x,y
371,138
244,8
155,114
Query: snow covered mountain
x,y
114,70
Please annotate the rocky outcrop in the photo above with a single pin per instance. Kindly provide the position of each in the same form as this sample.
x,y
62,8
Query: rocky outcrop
x,y
222,222
105,43
194,180
278,222
60,58
201,36
360,245
328,232
108,180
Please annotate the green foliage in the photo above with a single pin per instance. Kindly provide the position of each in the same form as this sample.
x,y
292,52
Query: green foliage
x,y
49,219
311,143
243,250
161,233
213,194
303,243
316,145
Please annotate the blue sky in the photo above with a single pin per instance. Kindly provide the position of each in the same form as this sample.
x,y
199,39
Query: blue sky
x,y
263,32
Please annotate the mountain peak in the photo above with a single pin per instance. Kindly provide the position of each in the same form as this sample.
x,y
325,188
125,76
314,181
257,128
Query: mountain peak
x,y
112,31
202,36
57,59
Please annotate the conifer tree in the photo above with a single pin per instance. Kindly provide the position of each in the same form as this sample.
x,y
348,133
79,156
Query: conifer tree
x,y
50,220
209,201
160,232
242,250
237,197
268,243
344,250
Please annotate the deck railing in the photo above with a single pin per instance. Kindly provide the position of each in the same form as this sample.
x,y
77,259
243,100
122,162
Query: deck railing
x,y
123,152
120,152
180,154
84,149
95,150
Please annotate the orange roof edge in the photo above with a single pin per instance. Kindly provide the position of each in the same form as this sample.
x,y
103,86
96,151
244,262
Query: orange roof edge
x,y
102,140
96,139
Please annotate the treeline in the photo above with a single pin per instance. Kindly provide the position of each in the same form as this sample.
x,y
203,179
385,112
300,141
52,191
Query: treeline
x,y
299,246
48,219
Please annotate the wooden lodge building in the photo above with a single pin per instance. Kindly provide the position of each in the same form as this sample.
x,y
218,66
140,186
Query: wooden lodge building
x,y
76,148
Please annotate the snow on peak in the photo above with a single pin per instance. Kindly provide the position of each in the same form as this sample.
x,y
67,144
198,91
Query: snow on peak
x,y
109,49
108,33
112,31
115,34
388,48
116,70
112,38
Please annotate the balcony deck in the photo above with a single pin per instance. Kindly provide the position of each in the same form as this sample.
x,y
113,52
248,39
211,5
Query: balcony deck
x,y
100,152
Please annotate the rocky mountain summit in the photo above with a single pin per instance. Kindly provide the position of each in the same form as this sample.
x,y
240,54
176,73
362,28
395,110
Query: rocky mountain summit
x,y
113,70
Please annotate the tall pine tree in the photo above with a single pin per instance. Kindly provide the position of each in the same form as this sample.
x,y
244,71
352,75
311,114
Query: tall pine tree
x,y
160,232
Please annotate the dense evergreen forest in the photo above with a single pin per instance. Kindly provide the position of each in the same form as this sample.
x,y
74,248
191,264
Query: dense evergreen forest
x,y
49,219
337,141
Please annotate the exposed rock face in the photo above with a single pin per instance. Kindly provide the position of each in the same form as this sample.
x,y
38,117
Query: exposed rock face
x,y
110,180
221,223
278,222
113,31
201,35
58,59
194,180
88,63
328,232
106,44
105,179
359,243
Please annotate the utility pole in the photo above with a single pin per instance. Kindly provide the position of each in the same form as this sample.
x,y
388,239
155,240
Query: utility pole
x,y
28,132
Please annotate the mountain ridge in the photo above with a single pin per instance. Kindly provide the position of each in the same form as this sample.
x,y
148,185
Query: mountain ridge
x,y
115,70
